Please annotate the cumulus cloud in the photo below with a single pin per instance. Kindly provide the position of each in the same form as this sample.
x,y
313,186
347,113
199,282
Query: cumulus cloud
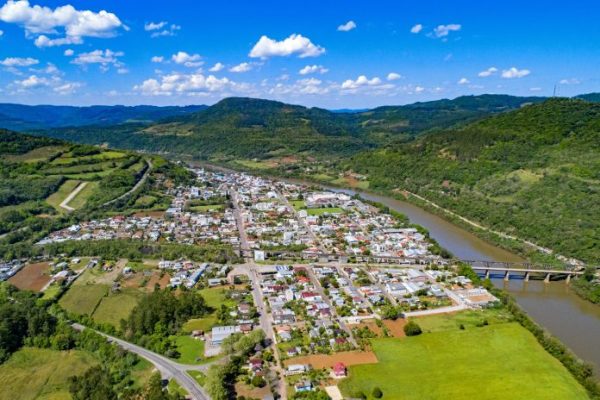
x,y
514,72
419,89
444,30
243,67
70,24
348,26
19,62
313,69
105,58
185,59
35,82
217,67
393,76
69,52
157,59
570,81
190,84
294,44
416,28
488,72
463,81
162,28
360,81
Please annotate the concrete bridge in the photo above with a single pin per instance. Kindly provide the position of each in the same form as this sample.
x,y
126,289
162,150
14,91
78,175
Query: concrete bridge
x,y
524,270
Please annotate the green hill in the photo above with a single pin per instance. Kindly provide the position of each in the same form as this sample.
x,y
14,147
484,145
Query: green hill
x,y
534,172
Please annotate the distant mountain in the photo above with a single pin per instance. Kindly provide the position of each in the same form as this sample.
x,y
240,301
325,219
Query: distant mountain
x,y
593,97
256,128
532,172
22,117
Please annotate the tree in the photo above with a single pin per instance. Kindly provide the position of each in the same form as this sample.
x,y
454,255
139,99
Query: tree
x,y
95,384
377,393
258,381
389,312
412,329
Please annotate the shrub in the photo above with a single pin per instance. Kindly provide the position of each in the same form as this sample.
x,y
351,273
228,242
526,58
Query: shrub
x,y
377,393
412,329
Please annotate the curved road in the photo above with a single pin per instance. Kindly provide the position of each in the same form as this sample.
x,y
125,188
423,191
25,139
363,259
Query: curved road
x,y
167,368
135,187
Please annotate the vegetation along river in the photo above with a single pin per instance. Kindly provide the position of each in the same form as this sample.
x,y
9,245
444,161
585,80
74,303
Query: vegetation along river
x,y
573,320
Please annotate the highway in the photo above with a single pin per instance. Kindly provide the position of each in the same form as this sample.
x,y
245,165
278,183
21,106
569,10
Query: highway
x,y
167,368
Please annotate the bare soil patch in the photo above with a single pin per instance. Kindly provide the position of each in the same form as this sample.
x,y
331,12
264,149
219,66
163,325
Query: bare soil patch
x,y
250,392
329,360
396,327
32,277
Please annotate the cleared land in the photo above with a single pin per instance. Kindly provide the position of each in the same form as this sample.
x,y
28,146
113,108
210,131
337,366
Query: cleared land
x,y
476,363
329,360
80,199
83,299
116,306
191,350
35,155
33,373
32,277
61,194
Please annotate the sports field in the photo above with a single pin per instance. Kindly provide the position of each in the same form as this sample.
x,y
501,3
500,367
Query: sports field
x,y
475,363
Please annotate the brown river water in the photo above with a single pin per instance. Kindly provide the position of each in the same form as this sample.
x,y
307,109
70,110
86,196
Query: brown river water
x,y
553,305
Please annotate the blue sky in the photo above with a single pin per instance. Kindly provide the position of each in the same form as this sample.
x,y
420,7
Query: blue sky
x,y
333,54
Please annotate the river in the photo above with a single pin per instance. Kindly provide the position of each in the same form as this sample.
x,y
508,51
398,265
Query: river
x,y
553,305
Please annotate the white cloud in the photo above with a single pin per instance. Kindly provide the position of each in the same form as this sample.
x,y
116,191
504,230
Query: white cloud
x,y
162,28
69,52
19,62
154,26
157,59
419,89
32,82
393,76
122,71
463,81
488,72
570,81
188,60
1,33
67,88
105,58
74,25
535,89
443,30
416,29
294,44
360,81
313,69
35,82
217,67
513,72
243,67
185,84
348,26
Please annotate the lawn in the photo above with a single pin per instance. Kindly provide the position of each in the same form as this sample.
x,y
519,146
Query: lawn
x,y
117,306
298,204
210,207
63,191
469,319
83,299
200,324
198,376
33,373
191,350
81,198
214,297
321,211
475,363
174,387
52,291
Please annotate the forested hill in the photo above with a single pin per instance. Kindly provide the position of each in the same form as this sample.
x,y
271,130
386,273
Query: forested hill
x,y
23,117
254,128
593,97
534,172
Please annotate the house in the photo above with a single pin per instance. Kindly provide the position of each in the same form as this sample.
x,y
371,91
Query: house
x,y
295,369
339,370
303,386
220,333
214,282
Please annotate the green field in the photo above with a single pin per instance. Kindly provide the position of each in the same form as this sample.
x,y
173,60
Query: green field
x,y
298,204
210,207
63,191
83,299
198,376
35,155
117,306
469,319
200,324
214,298
493,362
33,373
191,350
81,198
321,211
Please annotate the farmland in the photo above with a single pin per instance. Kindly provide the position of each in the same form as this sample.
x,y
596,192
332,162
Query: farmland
x,y
32,277
464,361
41,373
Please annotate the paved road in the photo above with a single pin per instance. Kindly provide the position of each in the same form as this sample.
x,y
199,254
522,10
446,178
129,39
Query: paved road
x,y
135,187
168,368
71,196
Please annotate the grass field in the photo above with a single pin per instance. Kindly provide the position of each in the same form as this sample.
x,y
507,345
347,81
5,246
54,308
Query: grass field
x,y
198,376
469,319
298,204
35,155
63,191
117,306
210,207
33,373
321,211
81,198
214,297
200,324
190,349
83,299
475,363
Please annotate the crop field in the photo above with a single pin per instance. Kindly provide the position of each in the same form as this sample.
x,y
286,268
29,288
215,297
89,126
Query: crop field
x,y
33,373
475,363
32,277
318,361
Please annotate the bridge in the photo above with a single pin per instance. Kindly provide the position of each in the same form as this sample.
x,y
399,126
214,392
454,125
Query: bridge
x,y
524,269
